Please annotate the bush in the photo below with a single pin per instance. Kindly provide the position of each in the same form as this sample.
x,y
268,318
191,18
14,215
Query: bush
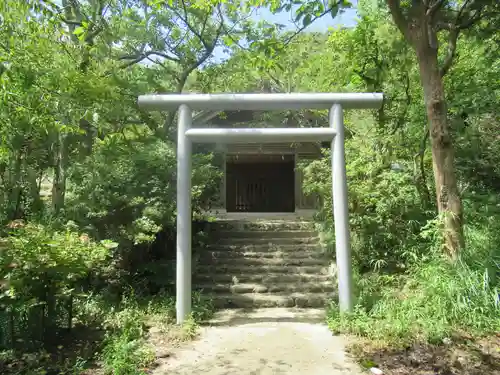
x,y
38,262
125,351
407,291
126,190
42,268
386,212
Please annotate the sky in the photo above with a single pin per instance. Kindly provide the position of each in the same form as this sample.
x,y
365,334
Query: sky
x,y
346,19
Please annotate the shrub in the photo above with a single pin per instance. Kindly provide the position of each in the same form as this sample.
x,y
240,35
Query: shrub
x,y
127,189
37,262
386,212
41,269
435,298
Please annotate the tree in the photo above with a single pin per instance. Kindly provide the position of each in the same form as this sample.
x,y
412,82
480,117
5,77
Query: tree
x,y
422,22
175,37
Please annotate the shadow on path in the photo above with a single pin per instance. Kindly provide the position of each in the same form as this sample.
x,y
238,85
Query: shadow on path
x,y
238,317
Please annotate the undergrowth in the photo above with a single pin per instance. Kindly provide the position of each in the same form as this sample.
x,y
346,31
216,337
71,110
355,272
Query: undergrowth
x,y
435,300
117,339
127,350
63,310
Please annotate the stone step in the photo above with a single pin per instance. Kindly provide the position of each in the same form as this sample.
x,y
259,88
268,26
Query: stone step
x,y
265,234
206,254
264,247
267,240
280,287
257,300
237,269
268,278
261,224
233,317
264,262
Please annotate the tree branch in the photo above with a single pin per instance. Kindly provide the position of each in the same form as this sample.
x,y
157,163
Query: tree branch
x,y
209,49
399,18
137,58
71,22
229,32
191,27
432,10
407,103
303,27
460,23
452,47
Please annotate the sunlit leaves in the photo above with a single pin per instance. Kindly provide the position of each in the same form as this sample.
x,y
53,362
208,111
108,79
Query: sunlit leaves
x,y
37,255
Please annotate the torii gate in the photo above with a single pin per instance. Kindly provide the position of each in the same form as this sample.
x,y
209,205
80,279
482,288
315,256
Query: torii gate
x,y
186,103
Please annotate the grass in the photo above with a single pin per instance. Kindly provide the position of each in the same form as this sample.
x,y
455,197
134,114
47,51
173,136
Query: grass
x,y
129,348
435,303
432,302
128,338
437,317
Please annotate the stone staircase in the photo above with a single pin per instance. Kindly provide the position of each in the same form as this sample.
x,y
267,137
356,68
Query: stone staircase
x,y
264,263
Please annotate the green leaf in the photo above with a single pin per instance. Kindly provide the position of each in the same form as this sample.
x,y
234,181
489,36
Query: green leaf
x,y
109,244
228,41
334,11
307,20
79,31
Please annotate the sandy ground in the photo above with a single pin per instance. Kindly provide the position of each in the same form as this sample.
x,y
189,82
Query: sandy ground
x,y
266,341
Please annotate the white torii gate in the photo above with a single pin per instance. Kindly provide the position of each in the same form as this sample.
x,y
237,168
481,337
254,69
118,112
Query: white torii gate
x,y
186,103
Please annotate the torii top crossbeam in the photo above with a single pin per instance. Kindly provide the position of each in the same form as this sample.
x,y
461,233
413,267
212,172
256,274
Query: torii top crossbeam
x,y
263,102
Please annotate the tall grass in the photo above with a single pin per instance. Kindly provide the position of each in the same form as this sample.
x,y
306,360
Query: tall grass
x,y
435,299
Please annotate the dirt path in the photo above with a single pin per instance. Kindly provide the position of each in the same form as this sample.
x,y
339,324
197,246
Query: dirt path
x,y
267,341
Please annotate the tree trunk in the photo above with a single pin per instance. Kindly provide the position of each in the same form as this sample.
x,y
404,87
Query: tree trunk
x,y
448,197
3,189
15,186
60,166
33,189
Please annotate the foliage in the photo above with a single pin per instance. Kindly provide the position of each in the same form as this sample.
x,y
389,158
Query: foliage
x,y
424,24
432,301
406,290
75,148
42,270
385,210
37,262
135,199
126,349
87,179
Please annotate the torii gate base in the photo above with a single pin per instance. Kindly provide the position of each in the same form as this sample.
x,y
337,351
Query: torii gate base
x,y
335,133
